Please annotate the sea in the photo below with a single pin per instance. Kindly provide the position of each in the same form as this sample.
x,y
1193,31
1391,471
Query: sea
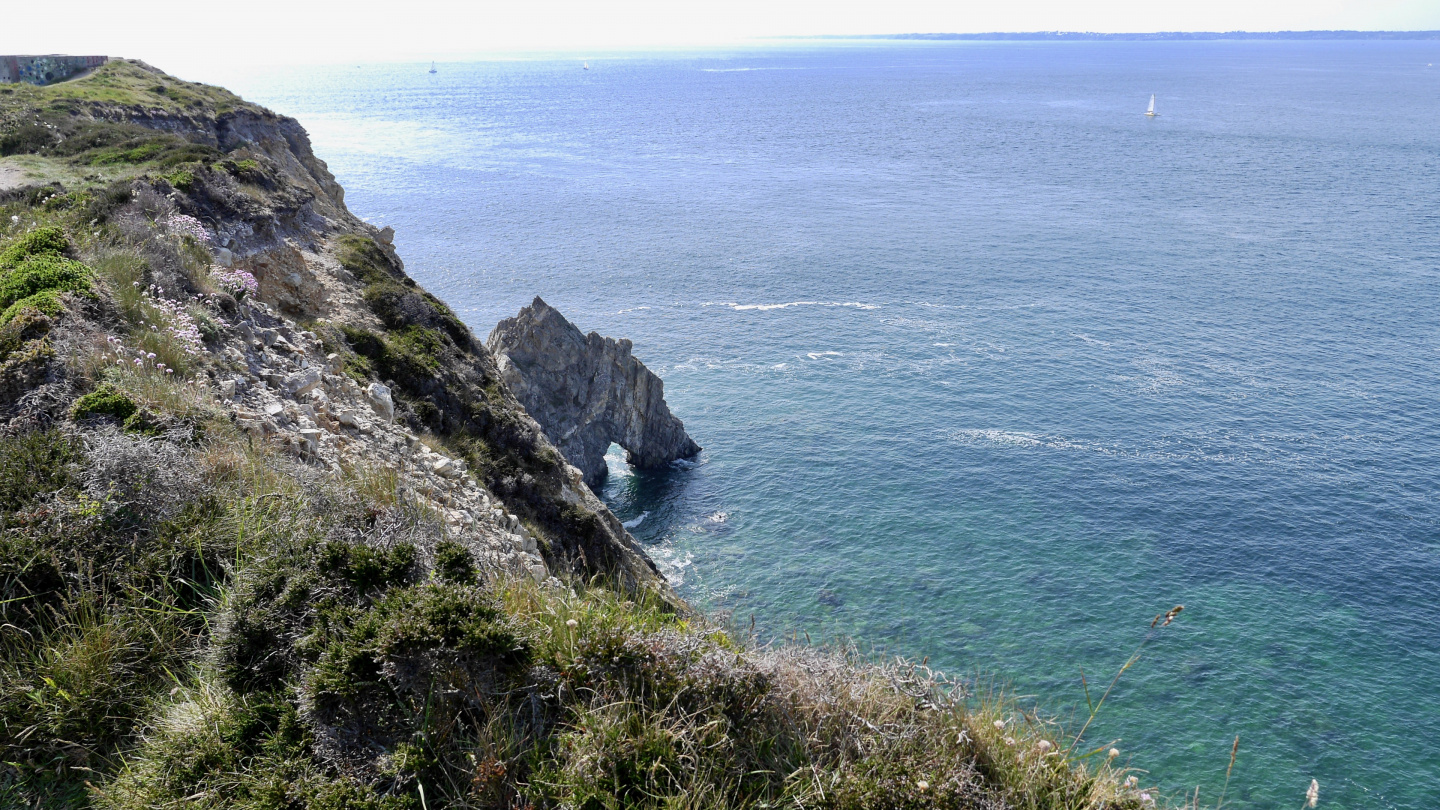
x,y
990,368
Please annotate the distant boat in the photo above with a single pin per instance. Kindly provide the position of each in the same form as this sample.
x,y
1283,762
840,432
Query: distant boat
x,y
432,67
1151,112
585,65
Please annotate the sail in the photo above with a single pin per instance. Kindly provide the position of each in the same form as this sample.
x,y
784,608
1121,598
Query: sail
x,y
1152,104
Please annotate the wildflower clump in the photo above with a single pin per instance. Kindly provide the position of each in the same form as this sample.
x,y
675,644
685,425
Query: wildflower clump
x,y
239,283
179,325
183,225
117,353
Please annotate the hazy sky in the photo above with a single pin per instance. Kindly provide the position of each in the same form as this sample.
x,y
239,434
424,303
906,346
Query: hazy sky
x,y
180,35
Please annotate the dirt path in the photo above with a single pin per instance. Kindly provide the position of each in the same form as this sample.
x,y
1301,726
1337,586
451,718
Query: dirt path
x,y
11,177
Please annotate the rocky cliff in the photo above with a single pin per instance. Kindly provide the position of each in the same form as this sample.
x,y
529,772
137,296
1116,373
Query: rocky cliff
x,y
275,531
587,391
212,191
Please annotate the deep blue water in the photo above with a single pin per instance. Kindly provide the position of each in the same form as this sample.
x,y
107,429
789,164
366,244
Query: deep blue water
x,y
988,366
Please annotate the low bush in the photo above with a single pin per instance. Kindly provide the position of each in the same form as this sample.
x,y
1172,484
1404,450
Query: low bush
x,y
365,260
21,330
409,354
26,139
183,179
246,170
34,273
35,464
47,240
108,401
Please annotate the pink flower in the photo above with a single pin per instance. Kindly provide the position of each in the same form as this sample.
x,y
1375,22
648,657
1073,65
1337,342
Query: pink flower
x,y
238,283
182,225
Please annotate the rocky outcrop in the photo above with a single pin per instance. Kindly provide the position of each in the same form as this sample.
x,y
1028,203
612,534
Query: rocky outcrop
x,y
338,358
587,391
286,281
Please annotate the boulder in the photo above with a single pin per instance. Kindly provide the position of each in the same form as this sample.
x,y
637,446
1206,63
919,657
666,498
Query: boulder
x,y
302,382
379,397
286,282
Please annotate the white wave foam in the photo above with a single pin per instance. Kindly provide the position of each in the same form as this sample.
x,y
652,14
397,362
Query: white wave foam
x,y
818,355
633,522
1088,339
1012,437
632,309
738,307
671,562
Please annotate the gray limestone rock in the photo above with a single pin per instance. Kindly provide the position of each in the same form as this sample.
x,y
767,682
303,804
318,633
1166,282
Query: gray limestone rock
x,y
302,382
380,400
587,391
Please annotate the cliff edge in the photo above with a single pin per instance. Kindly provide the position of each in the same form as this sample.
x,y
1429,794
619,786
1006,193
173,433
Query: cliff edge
x,y
275,531
587,391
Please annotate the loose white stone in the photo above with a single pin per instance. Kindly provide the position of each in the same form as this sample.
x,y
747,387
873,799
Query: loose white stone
x,y
302,382
379,396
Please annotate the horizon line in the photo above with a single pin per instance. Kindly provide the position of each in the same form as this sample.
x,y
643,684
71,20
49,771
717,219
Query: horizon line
x,y
1315,34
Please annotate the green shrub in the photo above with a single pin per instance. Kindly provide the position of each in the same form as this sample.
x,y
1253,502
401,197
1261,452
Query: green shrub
x,y
144,423
163,150
37,281
405,354
296,587
417,347
26,139
107,400
364,259
45,302
138,153
65,202
39,242
246,170
35,464
454,563
183,179
20,331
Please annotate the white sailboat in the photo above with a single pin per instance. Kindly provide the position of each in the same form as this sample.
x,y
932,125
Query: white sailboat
x,y
585,65
1151,112
432,67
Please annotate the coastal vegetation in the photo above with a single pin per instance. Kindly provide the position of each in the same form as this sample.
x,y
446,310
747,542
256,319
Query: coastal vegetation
x,y
195,615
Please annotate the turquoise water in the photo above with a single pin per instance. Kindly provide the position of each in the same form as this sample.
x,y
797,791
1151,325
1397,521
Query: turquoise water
x,y
988,366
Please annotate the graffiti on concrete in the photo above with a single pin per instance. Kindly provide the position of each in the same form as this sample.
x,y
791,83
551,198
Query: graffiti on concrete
x,y
45,69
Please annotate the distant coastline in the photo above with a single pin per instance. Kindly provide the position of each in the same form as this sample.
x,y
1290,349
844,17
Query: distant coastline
x,y
1052,36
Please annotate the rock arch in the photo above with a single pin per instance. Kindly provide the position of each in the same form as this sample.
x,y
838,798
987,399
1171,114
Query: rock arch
x,y
587,391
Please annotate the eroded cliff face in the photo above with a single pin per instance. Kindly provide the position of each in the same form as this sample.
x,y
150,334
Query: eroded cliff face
x,y
337,356
587,391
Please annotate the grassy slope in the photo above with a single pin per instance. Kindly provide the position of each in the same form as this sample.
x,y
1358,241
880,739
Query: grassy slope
x,y
189,619
74,132
124,83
